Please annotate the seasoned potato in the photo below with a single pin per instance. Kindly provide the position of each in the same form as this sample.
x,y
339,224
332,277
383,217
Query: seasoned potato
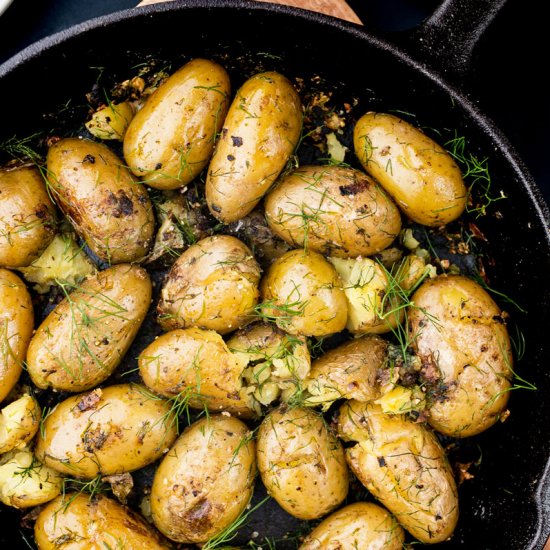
x,y
27,218
260,133
19,423
213,285
85,337
303,294
16,327
111,431
459,334
170,140
348,371
25,482
197,365
79,522
404,466
420,175
333,210
301,463
101,198
361,526
205,481
111,121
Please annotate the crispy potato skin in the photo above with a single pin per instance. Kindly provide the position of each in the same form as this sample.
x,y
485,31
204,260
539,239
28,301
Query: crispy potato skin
x,y
335,211
301,463
361,526
93,524
348,371
85,337
303,292
107,206
111,431
404,466
16,327
459,334
420,175
171,139
27,217
260,133
197,363
205,481
212,285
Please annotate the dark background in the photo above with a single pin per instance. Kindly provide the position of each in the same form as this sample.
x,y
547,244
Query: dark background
x,y
510,61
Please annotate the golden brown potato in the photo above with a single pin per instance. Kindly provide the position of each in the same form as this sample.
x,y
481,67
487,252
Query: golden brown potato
x,y
19,423
79,522
301,462
460,336
421,176
303,294
170,140
101,198
16,327
347,372
260,133
212,285
106,431
196,365
358,526
206,480
111,121
27,218
404,466
333,210
85,337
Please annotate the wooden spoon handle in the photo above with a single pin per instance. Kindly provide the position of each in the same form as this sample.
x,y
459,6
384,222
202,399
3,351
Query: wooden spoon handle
x,y
336,8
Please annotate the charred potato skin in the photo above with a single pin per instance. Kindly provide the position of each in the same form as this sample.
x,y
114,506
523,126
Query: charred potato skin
x,y
85,523
104,202
459,333
111,431
404,466
27,216
361,526
212,285
420,175
301,463
259,134
205,481
16,328
303,293
333,210
196,363
85,337
171,139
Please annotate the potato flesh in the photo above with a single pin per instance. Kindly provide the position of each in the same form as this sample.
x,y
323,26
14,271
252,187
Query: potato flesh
x,y
19,423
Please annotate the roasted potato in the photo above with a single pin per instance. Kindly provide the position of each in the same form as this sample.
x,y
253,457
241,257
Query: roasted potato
x,y
358,526
260,133
107,206
303,293
81,522
333,210
106,431
206,480
347,372
27,217
420,175
197,366
212,285
111,121
85,337
19,423
16,327
26,482
404,466
170,140
301,462
459,333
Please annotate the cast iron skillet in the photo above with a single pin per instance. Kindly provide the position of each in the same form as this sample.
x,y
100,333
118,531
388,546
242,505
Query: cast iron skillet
x,y
507,505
